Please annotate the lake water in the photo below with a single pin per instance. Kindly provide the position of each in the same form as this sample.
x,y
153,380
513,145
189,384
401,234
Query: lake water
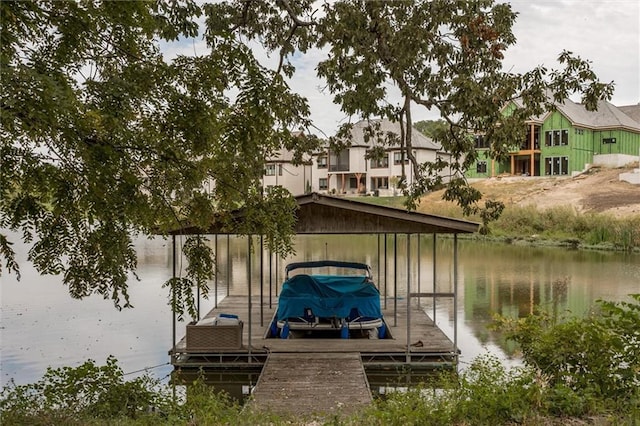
x,y
43,326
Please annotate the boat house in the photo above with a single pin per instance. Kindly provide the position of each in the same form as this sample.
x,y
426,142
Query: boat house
x,y
245,343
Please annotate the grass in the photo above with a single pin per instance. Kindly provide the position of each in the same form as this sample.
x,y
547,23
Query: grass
x,y
396,202
561,225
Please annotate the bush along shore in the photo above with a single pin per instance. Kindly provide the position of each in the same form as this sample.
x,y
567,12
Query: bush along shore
x,y
556,226
562,226
593,380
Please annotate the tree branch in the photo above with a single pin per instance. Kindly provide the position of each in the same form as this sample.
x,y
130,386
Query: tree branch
x,y
298,22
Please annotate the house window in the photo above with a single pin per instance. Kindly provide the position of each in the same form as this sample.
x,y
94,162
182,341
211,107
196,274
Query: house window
x,y
536,137
323,184
353,183
270,170
556,137
380,163
339,162
380,182
397,158
322,162
555,166
480,142
481,167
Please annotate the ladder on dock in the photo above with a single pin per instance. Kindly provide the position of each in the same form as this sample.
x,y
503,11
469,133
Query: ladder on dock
x,y
312,383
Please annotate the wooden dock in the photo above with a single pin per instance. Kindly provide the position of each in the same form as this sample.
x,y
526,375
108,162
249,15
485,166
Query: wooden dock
x,y
429,347
327,383
322,375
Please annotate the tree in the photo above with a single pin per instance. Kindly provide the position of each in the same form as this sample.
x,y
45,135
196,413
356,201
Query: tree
x,y
430,128
104,139
445,55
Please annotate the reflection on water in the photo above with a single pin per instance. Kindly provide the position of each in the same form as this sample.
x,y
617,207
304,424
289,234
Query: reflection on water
x,y
42,326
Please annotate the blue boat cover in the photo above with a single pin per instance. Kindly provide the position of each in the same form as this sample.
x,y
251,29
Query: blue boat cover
x,y
328,296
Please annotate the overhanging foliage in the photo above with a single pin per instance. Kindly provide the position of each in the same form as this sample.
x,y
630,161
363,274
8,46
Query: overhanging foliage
x,y
104,139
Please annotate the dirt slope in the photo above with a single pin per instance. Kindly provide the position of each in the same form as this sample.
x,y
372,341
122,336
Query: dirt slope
x,y
599,190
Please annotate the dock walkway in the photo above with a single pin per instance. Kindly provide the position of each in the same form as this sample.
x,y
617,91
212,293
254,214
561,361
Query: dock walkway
x,y
305,384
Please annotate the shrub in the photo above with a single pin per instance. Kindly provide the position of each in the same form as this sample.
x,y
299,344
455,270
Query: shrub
x,y
596,357
93,394
491,394
69,394
486,393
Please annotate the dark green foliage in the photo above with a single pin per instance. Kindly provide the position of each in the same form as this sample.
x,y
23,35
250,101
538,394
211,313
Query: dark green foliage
x,y
99,394
490,394
442,55
486,393
490,213
69,395
7,252
104,138
432,128
579,370
596,357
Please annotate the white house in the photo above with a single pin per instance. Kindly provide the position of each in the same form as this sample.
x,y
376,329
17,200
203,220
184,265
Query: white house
x,y
349,171
280,171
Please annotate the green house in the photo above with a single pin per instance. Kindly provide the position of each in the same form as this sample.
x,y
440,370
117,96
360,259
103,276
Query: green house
x,y
566,141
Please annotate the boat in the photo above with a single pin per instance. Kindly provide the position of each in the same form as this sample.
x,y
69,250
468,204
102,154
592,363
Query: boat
x,y
329,306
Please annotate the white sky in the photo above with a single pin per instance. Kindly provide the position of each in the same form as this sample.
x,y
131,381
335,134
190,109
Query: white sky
x,y
606,32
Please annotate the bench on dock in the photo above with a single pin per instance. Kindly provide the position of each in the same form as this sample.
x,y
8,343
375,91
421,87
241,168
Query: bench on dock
x,y
213,334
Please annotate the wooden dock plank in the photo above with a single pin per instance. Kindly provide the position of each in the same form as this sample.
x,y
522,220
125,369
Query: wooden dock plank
x,y
312,383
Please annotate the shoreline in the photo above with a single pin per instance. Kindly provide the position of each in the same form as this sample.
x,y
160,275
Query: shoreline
x,y
534,241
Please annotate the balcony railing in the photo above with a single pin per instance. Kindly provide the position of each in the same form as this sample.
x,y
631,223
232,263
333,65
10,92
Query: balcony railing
x,y
343,167
524,146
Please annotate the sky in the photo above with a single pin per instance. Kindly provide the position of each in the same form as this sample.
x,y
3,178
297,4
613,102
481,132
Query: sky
x,y
606,32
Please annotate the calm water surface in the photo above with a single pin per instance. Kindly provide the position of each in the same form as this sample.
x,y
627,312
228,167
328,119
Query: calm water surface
x,y
43,326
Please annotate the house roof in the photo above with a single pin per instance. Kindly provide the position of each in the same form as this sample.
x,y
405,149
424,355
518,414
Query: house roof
x,y
324,214
607,116
418,140
633,111
282,155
